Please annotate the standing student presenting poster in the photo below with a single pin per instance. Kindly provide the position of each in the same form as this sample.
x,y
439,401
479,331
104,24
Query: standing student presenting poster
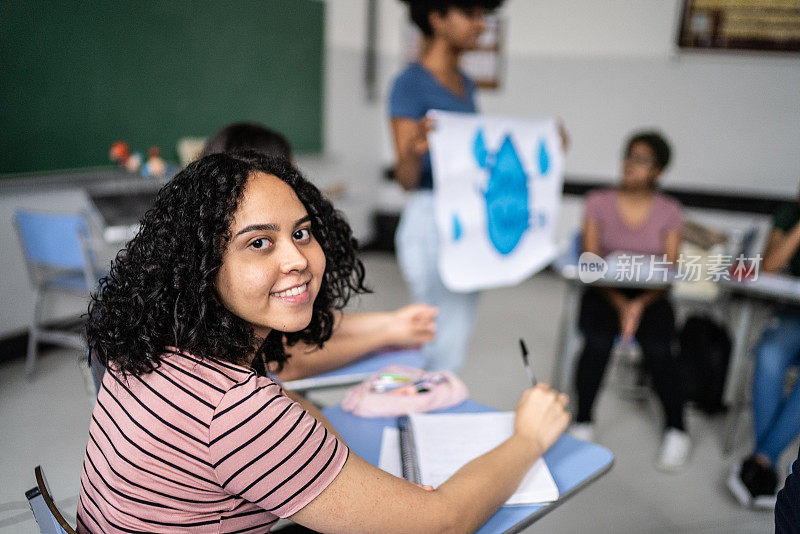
x,y
449,28
434,82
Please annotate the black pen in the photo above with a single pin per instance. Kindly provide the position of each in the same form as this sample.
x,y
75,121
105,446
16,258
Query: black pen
x,y
526,362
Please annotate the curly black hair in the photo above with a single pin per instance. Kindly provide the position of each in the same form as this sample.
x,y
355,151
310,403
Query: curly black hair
x,y
657,143
161,291
420,10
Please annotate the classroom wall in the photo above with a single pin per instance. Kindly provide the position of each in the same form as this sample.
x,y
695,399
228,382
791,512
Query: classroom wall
x,y
606,68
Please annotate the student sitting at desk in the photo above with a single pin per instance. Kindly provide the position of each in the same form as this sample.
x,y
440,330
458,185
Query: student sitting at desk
x,y
776,416
238,252
635,218
354,334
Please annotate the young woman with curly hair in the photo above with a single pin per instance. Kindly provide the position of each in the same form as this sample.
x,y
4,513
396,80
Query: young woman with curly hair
x,y
355,335
239,251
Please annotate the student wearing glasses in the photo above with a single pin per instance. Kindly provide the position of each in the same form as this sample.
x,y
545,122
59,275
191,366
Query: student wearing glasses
x,y
634,218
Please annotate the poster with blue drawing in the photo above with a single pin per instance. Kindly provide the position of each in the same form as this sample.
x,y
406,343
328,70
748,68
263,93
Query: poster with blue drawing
x,y
497,194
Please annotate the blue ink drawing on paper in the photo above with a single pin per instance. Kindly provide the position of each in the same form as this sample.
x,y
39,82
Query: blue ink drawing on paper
x,y
544,158
506,193
457,231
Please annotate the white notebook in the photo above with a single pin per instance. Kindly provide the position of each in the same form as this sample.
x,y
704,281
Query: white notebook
x,y
434,446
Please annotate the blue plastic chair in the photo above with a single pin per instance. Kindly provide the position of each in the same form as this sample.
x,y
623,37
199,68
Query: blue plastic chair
x,y
47,515
57,250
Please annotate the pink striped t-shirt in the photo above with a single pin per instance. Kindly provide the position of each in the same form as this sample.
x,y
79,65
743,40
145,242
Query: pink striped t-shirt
x,y
601,208
200,445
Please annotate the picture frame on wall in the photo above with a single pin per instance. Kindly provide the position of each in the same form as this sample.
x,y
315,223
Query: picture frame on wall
x,y
756,25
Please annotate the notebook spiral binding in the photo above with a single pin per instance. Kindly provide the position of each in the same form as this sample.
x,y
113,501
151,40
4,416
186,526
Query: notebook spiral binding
x,y
408,453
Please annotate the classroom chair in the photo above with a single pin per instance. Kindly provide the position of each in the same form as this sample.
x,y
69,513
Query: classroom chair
x,y
58,253
98,371
625,373
47,515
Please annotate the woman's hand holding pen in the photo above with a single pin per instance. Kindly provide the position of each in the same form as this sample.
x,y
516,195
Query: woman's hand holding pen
x,y
541,416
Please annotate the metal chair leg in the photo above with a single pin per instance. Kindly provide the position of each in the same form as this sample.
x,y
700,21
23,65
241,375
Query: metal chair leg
x,y
33,334
731,423
736,409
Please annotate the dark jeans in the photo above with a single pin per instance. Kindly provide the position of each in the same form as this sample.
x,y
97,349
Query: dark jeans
x,y
599,323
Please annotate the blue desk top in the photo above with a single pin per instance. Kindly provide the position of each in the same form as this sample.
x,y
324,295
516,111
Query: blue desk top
x,y
573,463
359,370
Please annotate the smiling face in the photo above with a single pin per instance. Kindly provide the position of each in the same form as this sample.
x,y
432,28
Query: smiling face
x,y
273,266
461,28
639,168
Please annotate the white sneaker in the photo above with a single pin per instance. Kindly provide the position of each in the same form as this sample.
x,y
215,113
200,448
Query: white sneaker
x,y
674,452
582,431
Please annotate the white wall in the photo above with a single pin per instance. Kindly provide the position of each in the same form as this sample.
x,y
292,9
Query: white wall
x,y
606,68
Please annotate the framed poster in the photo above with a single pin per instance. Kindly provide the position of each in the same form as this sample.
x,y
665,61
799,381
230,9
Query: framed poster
x,y
772,25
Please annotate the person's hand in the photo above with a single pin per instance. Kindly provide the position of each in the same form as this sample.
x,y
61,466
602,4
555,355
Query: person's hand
x,y
630,317
564,135
541,416
412,325
418,144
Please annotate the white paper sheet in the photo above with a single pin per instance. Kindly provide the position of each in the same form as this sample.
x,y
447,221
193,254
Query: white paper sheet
x,y
497,191
389,459
445,442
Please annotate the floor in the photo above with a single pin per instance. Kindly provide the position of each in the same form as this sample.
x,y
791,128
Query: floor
x,y
44,421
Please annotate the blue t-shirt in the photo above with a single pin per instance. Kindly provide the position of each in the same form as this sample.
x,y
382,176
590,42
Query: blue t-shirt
x,y
415,91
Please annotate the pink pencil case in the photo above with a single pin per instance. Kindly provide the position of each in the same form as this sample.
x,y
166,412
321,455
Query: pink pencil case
x,y
424,391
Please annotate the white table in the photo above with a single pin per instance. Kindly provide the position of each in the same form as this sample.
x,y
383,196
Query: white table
x,y
121,204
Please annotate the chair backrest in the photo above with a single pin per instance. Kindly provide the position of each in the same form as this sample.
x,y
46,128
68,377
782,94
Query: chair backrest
x,y
56,242
745,245
98,372
52,239
44,510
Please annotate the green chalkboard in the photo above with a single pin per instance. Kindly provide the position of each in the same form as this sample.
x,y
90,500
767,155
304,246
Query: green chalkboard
x,y
77,76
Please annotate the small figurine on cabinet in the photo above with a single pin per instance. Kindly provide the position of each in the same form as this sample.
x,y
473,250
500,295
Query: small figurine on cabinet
x,y
155,166
120,153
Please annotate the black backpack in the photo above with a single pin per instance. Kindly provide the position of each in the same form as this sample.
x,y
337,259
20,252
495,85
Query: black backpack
x,y
705,350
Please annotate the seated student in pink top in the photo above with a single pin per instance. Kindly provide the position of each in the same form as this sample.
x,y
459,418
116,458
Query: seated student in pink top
x,y
238,253
634,218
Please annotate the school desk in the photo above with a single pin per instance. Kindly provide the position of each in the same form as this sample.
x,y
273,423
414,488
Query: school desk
x,y
120,204
357,371
770,289
574,464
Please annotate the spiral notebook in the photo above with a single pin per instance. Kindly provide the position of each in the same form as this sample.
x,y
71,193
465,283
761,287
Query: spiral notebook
x,y
432,447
